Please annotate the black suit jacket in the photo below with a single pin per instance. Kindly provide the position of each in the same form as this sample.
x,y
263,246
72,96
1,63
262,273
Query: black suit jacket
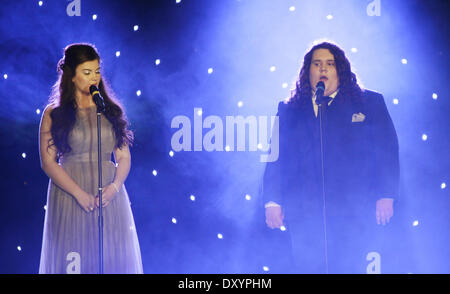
x,y
361,163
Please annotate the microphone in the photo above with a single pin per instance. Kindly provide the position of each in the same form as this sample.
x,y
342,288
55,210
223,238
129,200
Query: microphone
x,y
320,89
98,99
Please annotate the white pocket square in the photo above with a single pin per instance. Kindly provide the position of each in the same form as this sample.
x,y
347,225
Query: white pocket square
x,y
358,117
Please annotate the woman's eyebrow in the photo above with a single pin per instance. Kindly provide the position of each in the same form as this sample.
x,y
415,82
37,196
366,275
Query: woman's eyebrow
x,y
318,60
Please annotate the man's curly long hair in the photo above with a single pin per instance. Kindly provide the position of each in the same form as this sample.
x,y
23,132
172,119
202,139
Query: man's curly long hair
x,y
62,100
348,83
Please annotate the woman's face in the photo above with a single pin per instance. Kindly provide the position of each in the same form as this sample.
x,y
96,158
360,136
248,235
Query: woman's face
x,y
86,75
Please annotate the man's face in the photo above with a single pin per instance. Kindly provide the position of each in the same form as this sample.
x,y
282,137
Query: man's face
x,y
323,68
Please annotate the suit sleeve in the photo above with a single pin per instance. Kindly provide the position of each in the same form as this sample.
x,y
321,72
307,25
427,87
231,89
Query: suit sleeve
x,y
386,170
271,187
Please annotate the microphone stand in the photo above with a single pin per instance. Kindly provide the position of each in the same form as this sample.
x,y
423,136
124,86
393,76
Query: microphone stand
x,y
100,185
98,100
322,103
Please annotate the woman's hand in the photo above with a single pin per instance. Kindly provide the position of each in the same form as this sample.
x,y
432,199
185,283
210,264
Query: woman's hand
x,y
108,194
86,201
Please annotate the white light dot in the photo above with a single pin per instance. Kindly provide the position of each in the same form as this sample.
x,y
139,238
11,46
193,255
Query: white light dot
x,y
24,155
94,16
220,236
395,101
292,8
157,61
174,220
5,76
192,197
404,61
273,68
117,53
435,96
199,112
154,172
135,28
443,185
248,197
329,16
415,223
210,70
424,137
354,50
38,111
284,85
227,148
265,268
240,103
171,153
45,207
19,248
40,3
260,146
177,1
138,93
283,228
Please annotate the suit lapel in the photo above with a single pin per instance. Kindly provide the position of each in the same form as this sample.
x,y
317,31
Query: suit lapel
x,y
304,130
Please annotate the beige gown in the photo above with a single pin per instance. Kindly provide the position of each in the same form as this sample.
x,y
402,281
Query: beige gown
x,y
70,237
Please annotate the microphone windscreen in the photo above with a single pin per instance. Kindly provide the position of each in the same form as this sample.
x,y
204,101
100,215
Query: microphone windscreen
x,y
320,86
93,89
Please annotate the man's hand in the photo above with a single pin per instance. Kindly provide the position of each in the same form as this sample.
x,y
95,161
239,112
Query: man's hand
x,y
274,217
384,210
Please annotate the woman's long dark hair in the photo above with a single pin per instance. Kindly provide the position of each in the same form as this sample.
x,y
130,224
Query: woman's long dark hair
x,y
348,82
62,100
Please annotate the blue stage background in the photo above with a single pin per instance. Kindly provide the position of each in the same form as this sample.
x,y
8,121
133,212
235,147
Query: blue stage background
x,y
232,57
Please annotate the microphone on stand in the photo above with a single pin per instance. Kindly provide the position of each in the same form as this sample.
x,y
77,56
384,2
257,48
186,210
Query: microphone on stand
x,y
98,99
322,102
320,89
